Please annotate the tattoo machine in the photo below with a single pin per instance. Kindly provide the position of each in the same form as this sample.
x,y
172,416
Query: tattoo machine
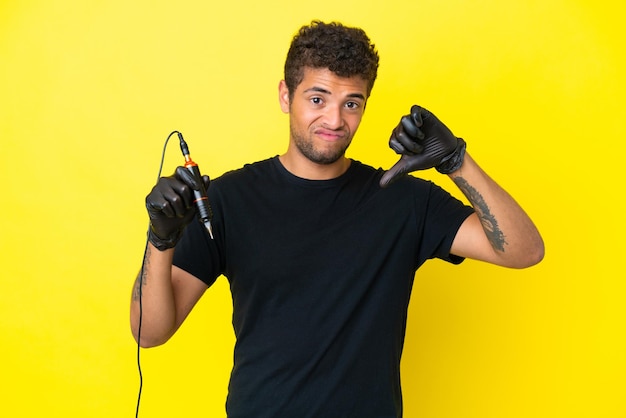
x,y
201,199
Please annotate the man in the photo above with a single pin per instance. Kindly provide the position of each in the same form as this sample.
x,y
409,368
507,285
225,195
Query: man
x,y
320,250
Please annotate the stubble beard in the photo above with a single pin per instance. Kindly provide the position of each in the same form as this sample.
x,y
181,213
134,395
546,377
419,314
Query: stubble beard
x,y
306,146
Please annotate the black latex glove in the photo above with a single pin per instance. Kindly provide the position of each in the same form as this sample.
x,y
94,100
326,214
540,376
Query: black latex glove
x,y
171,207
424,142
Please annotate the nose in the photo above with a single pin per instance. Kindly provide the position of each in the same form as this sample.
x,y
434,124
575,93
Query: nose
x,y
333,117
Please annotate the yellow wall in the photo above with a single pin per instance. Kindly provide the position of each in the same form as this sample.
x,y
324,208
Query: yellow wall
x,y
90,90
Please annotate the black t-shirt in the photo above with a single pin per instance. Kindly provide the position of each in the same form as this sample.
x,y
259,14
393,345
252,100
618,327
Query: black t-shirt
x,y
321,274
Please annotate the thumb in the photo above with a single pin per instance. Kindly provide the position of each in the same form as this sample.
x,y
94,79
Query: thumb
x,y
399,169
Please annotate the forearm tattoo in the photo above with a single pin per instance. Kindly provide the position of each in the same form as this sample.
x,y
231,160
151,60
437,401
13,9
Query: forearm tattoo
x,y
140,281
488,220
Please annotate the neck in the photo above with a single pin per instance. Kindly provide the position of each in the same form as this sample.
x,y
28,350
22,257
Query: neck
x,y
302,167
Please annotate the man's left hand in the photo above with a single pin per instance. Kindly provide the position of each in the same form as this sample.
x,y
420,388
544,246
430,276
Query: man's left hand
x,y
424,142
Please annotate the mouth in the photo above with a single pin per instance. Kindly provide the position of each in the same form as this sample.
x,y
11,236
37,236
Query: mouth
x,y
331,135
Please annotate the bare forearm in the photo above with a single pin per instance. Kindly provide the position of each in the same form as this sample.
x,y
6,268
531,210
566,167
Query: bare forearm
x,y
153,299
515,240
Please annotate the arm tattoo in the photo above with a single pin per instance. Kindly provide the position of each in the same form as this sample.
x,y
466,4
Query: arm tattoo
x,y
488,220
140,281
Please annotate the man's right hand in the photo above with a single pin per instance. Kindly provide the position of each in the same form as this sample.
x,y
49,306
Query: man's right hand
x,y
171,207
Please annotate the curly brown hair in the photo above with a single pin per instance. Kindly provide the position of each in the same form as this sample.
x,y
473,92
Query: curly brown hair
x,y
346,51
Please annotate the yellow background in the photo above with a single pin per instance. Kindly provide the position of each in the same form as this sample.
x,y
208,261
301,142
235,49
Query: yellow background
x,y
90,90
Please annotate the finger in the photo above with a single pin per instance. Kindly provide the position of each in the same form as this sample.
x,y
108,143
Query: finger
x,y
408,142
161,205
410,128
429,119
172,197
178,200
426,114
207,181
398,170
396,146
186,177
416,115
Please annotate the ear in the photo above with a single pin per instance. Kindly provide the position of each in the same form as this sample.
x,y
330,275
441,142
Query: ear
x,y
283,96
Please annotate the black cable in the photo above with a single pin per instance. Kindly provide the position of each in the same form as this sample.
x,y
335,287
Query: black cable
x,y
140,289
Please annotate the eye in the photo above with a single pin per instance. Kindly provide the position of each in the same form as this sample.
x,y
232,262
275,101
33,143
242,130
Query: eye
x,y
353,105
316,100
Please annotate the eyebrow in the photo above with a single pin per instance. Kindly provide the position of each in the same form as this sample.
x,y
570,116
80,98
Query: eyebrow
x,y
324,91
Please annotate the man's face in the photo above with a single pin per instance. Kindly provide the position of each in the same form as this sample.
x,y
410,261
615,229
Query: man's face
x,y
324,113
